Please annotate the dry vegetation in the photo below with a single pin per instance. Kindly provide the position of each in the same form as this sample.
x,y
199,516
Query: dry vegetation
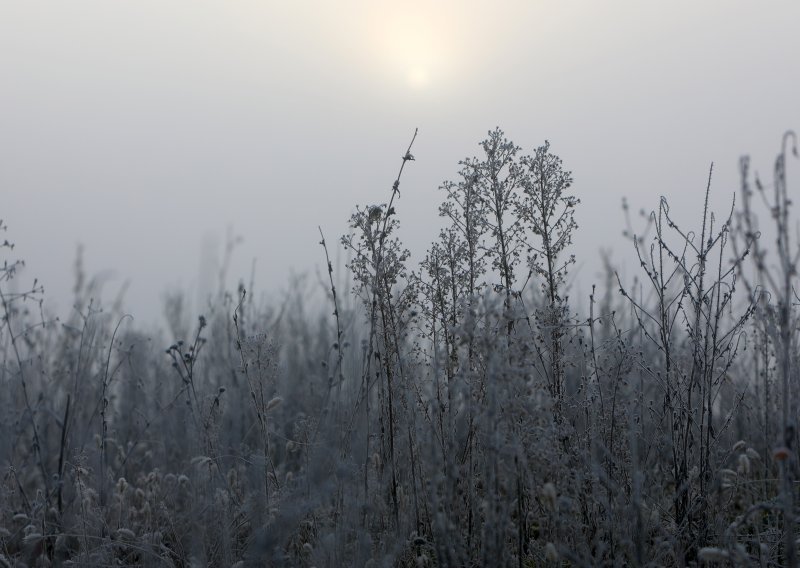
x,y
455,413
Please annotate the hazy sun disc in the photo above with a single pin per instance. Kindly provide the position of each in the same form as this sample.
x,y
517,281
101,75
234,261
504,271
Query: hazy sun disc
x,y
418,78
412,44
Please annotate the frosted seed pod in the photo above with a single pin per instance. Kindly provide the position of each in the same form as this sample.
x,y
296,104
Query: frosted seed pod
x,y
126,534
712,554
744,465
550,552
32,538
549,496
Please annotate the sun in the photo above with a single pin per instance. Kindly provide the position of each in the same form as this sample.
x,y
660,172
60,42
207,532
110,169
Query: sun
x,y
418,77
412,45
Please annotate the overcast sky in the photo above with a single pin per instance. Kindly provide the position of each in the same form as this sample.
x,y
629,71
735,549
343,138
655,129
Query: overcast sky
x,y
145,129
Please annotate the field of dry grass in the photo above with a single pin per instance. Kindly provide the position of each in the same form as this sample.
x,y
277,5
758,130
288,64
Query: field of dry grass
x,y
458,412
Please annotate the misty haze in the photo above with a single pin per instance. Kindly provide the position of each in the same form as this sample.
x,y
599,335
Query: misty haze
x,y
424,283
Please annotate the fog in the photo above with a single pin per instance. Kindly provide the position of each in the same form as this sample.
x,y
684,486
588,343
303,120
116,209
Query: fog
x,y
150,133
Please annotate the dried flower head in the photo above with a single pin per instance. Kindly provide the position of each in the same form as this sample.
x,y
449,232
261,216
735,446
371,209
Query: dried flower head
x,y
712,554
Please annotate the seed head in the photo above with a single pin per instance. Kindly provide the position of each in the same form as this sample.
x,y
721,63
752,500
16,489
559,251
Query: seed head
x,y
744,465
549,496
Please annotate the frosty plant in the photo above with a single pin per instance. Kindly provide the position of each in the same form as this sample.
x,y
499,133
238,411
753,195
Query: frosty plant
x,y
497,180
184,360
693,283
503,209
259,364
452,279
479,424
378,265
15,334
454,266
548,214
504,206
774,288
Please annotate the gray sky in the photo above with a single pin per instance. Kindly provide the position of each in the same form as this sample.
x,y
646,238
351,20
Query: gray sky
x,y
145,129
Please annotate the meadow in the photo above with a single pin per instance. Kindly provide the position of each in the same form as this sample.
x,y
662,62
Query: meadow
x,y
461,411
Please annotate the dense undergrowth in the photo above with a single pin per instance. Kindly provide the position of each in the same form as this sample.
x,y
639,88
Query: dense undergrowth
x,y
455,413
